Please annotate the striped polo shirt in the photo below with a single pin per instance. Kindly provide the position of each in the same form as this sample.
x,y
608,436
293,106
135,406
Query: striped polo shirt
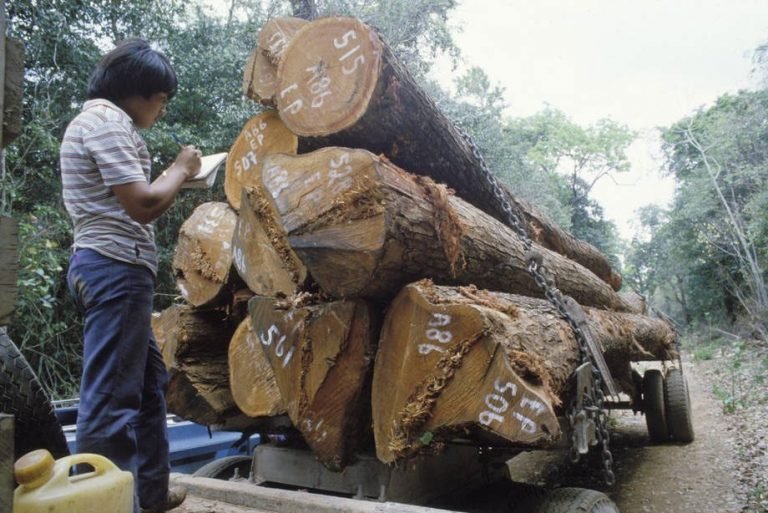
x,y
101,148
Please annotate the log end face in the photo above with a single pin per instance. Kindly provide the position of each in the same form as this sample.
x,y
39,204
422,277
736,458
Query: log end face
x,y
202,260
261,135
328,75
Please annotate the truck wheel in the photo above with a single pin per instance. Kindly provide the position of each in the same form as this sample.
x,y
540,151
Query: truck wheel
x,y
226,468
678,404
576,500
21,395
653,405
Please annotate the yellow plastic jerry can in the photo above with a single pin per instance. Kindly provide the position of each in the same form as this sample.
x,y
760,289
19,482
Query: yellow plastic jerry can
x,y
45,485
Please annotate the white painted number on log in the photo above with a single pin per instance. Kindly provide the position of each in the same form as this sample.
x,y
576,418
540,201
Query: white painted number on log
x,y
497,405
341,174
319,84
276,180
277,44
294,106
279,349
436,335
340,43
313,431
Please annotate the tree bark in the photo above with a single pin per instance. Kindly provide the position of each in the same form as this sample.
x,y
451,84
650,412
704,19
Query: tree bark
x,y
202,260
459,361
260,73
305,9
9,264
261,253
339,85
365,228
321,355
194,347
261,135
251,379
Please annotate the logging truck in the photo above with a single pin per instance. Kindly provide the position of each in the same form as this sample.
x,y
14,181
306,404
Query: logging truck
x,y
373,294
371,281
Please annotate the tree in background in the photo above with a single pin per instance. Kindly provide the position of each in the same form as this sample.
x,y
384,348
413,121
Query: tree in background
x,y
705,259
555,145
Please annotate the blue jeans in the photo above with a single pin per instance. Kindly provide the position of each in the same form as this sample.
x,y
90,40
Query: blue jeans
x,y
122,412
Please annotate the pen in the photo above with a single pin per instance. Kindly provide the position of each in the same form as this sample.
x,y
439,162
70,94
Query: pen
x,y
176,138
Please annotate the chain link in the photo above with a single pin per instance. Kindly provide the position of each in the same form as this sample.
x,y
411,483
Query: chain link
x,y
539,272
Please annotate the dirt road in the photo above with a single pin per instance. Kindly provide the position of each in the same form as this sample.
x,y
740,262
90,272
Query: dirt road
x,y
672,478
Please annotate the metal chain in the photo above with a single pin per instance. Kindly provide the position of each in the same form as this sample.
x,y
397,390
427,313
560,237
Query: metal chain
x,y
536,267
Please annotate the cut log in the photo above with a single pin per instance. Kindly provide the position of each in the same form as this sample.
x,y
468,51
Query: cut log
x,y
491,366
202,261
194,347
261,135
261,253
276,34
260,78
260,75
251,378
365,228
340,85
321,355
637,300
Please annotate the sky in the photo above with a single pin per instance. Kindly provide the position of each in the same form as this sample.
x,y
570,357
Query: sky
x,y
642,63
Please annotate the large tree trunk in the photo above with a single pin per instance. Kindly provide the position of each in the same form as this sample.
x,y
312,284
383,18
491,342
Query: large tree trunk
x,y
488,365
261,253
321,355
194,347
261,135
339,85
260,73
365,228
202,260
251,379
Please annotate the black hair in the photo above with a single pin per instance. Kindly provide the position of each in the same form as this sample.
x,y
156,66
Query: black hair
x,y
132,68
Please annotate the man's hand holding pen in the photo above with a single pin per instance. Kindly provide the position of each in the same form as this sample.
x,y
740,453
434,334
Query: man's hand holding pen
x,y
188,158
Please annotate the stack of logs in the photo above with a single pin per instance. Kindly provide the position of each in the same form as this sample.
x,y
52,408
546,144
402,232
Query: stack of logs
x,y
362,279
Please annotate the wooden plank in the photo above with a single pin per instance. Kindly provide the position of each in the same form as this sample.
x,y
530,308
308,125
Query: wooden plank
x,y
9,262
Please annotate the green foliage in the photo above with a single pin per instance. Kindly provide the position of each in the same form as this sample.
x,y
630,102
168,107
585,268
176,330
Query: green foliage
x,y
46,327
718,215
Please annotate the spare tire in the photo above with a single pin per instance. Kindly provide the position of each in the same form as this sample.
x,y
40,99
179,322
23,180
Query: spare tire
x,y
21,395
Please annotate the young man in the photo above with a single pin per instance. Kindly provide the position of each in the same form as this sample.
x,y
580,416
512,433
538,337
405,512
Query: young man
x,y
105,169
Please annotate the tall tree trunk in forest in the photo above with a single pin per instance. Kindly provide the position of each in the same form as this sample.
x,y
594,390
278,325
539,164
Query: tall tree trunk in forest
x,y
365,228
305,9
756,302
340,85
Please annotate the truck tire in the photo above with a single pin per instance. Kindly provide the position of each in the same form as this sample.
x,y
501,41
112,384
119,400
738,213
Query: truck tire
x,y
576,500
21,395
653,406
225,468
678,406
